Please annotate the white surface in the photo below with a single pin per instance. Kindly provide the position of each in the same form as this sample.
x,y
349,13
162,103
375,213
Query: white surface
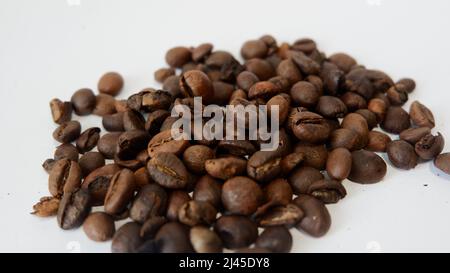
x,y
51,48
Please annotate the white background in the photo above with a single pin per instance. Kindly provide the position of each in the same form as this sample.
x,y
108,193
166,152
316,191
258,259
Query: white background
x,y
50,48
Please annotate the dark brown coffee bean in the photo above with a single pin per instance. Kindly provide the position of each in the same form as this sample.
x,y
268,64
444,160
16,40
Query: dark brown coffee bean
x,y
304,94
222,92
317,82
91,161
194,213
99,227
64,177
48,164
73,209
275,239
378,142
133,120
196,83
208,189
315,155
378,107
83,101
172,85
120,192
327,191
104,105
168,171
344,138
263,89
289,70
132,164
121,106
254,49
114,122
150,201
151,227
225,167
287,215
127,238
110,83
357,123
358,81
289,162
369,116
176,200
283,103
343,61
155,120
149,100
46,207
396,120
305,45
331,107
421,115
397,95
332,78
162,74
442,162
257,250
130,143
264,166
236,231
201,52
412,135
97,183
204,240
429,146
194,158
173,237
281,83
408,84
241,195
142,177
339,163
178,56
246,79
306,65
107,144
317,220
310,127
382,97
236,147
381,81
303,177
367,167
261,68
402,154
278,192
67,151
61,111
67,132
164,143
88,139
353,101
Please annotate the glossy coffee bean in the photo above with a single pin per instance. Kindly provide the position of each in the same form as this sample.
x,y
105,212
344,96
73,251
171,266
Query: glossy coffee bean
x,y
339,163
332,78
241,195
264,90
142,177
317,220
310,127
194,158
67,132
110,83
127,238
397,95
353,101
178,56
327,191
303,177
367,167
306,65
150,201
107,144
289,70
291,161
421,116
104,105
154,121
283,107
246,79
278,192
61,111
133,120
358,124
276,239
264,166
225,167
64,177
442,162
402,154
429,146
73,209
342,61
236,231
315,155
91,161
97,182
99,227
162,74
204,240
369,116
88,139
67,151
378,142
200,52
83,101
236,147
254,49
408,84
168,171
114,122
304,94
331,107
396,120
130,143
287,215
196,83
413,135
195,213
344,138
164,143
149,100
261,68
120,192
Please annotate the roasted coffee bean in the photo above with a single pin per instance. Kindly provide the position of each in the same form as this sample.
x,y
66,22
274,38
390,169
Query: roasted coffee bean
x,y
164,143
396,120
246,79
305,45
378,107
397,94
107,144
150,201
97,182
121,106
155,120
226,167
306,65
353,101
367,167
343,61
178,56
151,227
408,84
357,123
114,122
289,162
281,83
402,154
331,107
263,89
194,158
413,135
61,111
264,166
120,192
150,99
168,171
303,177
421,116
196,83
315,155
287,215
64,177
236,231
91,161
380,81
142,177
133,120
201,52
104,105
48,164
46,207
317,220
289,70
130,143
222,92
261,68
83,101
204,240
442,162
339,163
167,124
358,81
275,239
194,213
208,189
171,85
254,49
73,209
241,195
257,250
429,146
127,238
67,132
332,78
370,117
310,127
283,103
175,201
99,227
236,147
67,151
304,94
162,74
88,139
327,191
110,83
344,138
378,142
173,237
278,192
317,82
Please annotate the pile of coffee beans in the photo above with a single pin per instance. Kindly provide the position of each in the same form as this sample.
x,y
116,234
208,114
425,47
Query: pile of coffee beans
x,y
210,195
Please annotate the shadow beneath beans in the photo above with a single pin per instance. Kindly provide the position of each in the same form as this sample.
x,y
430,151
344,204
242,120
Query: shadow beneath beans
x,y
438,172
